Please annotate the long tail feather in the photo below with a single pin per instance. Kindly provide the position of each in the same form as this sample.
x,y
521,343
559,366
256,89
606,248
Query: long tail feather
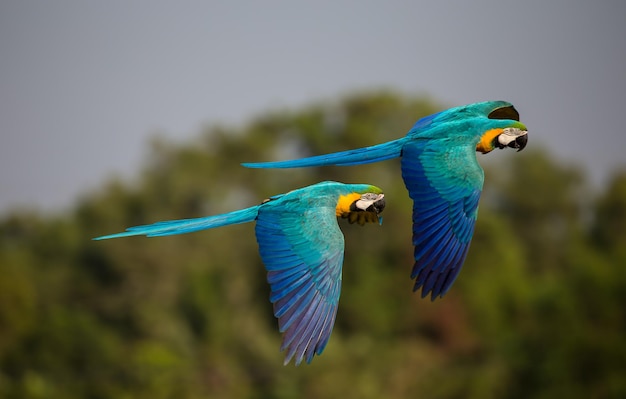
x,y
171,227
379,152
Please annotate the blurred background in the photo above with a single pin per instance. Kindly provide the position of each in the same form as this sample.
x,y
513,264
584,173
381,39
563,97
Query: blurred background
x,y
115,114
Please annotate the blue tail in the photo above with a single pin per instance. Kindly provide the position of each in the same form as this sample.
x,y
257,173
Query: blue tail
x,y
379,152
171,227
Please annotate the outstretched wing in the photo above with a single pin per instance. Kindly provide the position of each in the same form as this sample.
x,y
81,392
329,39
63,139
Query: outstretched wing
x,y
445,187
302,249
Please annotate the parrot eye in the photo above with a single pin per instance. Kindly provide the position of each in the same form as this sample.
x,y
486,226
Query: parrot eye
x,y
371,196
504,113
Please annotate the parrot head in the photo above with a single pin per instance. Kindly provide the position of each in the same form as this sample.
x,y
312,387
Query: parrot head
x,y
361,207
512,137
509,131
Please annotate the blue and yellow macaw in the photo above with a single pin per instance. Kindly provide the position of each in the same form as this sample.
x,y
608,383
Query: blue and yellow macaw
x,y
443,177
302,248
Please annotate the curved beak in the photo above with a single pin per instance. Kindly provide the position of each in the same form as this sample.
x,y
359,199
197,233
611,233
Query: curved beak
x,y
513,138
370,203
519,143
378,205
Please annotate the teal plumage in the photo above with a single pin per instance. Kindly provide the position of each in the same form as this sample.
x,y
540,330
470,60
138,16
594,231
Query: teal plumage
x,y
443,177
302,249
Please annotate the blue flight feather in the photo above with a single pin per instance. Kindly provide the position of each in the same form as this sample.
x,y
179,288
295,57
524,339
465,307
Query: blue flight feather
x,y
305,286
440,232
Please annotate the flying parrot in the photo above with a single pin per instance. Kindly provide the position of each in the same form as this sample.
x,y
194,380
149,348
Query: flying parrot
x,y
443,177
302,248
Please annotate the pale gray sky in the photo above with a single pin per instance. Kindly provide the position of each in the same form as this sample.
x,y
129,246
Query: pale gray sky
x,y
84,84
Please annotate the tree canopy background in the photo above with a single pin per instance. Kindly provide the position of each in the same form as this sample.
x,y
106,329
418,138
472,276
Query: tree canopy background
x,y
537,311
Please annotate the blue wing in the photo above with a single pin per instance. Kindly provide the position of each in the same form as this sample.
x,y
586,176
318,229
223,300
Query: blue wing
x,y
445,187
303,253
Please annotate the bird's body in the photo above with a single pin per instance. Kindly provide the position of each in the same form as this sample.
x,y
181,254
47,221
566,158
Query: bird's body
x,y
302,248
443,177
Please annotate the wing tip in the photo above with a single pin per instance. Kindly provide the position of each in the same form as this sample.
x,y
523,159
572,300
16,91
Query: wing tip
x,y
295,163
116,235
432,292
252,165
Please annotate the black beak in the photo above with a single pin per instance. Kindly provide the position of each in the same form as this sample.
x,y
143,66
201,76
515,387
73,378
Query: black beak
x,y
519,143
377,207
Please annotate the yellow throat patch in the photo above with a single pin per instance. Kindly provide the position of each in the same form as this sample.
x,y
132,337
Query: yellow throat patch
x,y
361,217
486,141
343,205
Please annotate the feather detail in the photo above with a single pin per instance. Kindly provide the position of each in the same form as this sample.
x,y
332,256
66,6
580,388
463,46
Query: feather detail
x,y
304,273
485,144
344,203
445,196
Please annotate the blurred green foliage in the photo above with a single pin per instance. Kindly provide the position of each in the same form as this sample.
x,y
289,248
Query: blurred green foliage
x,y
537,312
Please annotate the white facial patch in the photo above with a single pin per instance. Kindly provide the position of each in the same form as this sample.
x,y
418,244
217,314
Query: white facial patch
x,y
367,200
509,135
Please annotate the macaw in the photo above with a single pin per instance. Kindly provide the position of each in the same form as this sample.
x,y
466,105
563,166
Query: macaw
x,y
302,248
443,177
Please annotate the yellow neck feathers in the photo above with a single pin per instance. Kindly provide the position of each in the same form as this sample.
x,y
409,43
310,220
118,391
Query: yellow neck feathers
x,y
343,205
486,141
